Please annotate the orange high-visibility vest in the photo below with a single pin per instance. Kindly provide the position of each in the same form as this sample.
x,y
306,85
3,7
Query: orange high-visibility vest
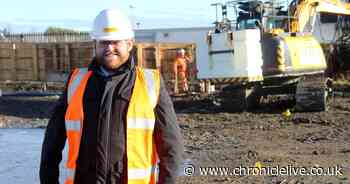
x,y
140,119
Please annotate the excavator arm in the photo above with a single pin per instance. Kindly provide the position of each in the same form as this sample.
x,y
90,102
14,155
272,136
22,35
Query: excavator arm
x,y
305,12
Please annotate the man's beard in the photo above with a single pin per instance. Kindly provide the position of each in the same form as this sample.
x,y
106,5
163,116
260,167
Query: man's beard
x,y
112,60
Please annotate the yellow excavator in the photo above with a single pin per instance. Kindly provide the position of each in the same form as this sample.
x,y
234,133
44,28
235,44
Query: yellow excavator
x,y
270,51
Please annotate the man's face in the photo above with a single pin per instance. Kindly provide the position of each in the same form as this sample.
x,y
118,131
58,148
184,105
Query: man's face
x,y
112,54
181,53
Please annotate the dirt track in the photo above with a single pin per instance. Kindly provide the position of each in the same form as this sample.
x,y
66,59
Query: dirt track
x,y
219,139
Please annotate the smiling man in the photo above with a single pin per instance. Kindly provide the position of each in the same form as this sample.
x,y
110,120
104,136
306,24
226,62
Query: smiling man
x,y
117,118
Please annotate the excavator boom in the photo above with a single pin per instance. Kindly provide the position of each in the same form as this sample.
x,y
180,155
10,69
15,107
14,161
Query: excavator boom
x,y
305,12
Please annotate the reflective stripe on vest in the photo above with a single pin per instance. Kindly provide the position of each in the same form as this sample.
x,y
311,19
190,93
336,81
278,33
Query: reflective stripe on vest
x,y
76,78
141,151
74,119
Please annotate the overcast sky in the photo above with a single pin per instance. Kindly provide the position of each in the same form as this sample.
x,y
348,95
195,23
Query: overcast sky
x,y
35,15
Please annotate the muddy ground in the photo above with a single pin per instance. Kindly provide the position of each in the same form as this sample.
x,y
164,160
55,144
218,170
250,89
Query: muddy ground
x,y
214,138
320,139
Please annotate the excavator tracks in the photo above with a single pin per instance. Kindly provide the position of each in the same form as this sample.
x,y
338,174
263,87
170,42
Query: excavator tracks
x,y
311,94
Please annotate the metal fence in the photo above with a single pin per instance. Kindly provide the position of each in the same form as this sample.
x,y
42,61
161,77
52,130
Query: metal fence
x,y
45,37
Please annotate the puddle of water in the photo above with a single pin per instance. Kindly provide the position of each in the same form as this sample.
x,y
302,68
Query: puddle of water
x,y
20,151
20,155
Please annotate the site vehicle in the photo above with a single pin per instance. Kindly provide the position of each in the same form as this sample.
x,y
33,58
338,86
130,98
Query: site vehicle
x,y
269,50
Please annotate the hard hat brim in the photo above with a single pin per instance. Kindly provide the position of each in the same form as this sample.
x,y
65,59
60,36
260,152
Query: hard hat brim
x,y
113,37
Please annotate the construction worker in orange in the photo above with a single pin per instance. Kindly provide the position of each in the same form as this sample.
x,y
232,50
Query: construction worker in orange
x,y
180,70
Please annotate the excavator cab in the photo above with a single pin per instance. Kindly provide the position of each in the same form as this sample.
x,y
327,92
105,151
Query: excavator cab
x,y
247,24
250,15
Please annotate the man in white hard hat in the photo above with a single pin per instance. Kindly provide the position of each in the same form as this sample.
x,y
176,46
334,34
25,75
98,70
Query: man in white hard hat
x,y
117,118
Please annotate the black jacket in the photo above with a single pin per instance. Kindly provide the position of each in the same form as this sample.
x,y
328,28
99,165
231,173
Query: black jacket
x,y
102,149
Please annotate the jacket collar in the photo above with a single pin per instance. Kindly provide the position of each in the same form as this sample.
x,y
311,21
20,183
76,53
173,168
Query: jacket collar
x,y
125,74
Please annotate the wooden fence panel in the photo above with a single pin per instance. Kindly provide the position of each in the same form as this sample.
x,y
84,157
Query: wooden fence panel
x,y
52,62
7,64
149,58
81,54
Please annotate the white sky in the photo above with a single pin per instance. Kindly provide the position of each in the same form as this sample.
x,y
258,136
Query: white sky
x,y
79,13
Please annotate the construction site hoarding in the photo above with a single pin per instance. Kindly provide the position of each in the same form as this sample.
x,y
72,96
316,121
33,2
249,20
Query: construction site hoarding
x,y
47,63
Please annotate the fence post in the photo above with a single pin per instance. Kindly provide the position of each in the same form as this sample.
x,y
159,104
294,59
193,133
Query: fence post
x,y
13,59
42,64
67,57
35,62
54,58
139,55
158,56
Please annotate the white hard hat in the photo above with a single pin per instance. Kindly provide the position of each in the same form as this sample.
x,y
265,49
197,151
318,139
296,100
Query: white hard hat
x,y
181,51
112,24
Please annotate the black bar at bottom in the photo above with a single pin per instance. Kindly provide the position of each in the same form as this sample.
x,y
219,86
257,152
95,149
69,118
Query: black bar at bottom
x,y
221,52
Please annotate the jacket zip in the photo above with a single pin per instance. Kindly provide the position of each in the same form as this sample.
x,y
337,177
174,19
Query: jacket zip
x,y
105,93
108,150
108,139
